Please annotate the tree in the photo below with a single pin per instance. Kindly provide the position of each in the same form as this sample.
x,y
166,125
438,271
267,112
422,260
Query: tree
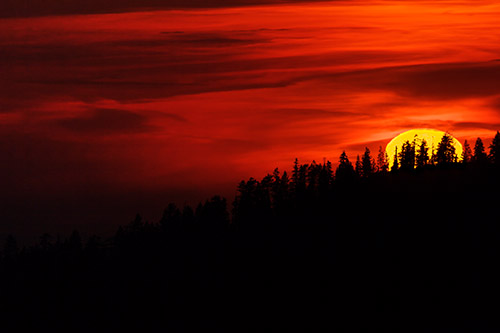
x,y
312,176
367,163
10,249
75,242
280,191
495,150
422,157
171,218
358,168
445,153
466,153
407,156
45,243
325,179
382,160
213,214
295,173
480,156
345,171
395,162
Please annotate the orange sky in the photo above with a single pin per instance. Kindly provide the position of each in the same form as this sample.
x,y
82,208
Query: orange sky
x,y
182,104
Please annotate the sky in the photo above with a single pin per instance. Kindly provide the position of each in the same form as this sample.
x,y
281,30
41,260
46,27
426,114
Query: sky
x,y
111,108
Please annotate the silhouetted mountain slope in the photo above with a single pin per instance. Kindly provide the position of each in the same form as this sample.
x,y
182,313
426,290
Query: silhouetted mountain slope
x,y
414,250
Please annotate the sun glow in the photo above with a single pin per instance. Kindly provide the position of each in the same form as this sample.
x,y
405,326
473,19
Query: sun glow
x,y
431,136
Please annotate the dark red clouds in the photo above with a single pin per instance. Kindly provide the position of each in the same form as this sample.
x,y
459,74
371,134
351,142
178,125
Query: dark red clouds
x,y
139,108
33,8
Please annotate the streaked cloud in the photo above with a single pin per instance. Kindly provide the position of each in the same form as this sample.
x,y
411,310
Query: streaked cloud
x,y
157,100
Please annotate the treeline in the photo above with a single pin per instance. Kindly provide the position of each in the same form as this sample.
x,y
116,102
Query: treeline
x,y
375,243
280,192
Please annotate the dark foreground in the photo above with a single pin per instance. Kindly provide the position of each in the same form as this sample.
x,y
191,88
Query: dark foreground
x,y
412,251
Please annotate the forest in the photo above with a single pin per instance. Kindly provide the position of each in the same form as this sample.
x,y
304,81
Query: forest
x,y
412,247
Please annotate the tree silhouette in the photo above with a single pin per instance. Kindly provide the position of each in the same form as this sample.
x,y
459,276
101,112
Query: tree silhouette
x,y
45,243
213,214
445,153
395,162
295,172
345,172
494,154
358,167
480,156
316,234
10,249
367,163
312,176
75,242
466,153
280,191
422,157
407,156
171,218
325,180
382,160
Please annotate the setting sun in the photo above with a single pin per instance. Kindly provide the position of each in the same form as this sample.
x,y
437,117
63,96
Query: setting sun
x,y
431,136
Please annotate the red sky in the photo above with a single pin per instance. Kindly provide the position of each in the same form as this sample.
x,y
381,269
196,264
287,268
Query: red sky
x,y
107,110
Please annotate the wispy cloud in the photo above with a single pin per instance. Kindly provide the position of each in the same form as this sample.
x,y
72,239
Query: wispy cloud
x,y
162,99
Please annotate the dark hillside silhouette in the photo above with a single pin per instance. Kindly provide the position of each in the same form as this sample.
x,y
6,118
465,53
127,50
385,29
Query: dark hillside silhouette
x,y
414,249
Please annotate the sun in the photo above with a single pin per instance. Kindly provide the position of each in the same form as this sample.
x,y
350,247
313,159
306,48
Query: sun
x,y
431,136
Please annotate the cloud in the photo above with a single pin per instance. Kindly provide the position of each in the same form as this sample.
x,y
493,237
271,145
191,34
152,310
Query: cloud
x,y
108,121
476,125
178,38
33,8
300,114
443,81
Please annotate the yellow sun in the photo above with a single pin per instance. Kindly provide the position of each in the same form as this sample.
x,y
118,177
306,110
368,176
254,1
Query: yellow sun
x,y
431,136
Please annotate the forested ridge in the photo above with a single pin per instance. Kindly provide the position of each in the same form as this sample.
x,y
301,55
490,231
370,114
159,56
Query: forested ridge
x,y
414,247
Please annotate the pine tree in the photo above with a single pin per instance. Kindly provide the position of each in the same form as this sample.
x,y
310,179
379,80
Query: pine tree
x,y
10,249
345,171
480,156
495,150
367,163
466,153
295,173
382,158
422,157
359,167
445,153
312,176
395,162
325,179
171,218
407,156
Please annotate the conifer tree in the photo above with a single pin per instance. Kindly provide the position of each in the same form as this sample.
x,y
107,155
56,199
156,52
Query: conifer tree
x,y
395,162
382,160
422,157
10,249
480,156
171,218
325,178
495,150
466,153
345,171
445,153
407,156
367,164
295,173
313,175
358,167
